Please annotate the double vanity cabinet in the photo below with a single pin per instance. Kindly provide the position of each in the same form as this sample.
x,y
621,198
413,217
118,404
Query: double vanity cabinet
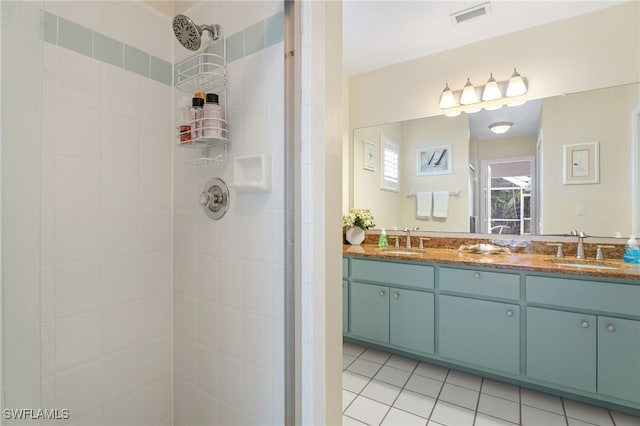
x,y
574,335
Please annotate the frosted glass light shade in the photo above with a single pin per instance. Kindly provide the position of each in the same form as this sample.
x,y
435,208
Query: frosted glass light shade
x,y
516,85
491,90
501,127
447,100
468,94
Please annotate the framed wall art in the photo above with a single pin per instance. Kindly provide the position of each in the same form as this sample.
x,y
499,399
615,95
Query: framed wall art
x,y
581,163
434,160
369,155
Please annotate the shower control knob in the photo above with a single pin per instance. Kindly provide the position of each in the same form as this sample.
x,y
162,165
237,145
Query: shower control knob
x,y
204,198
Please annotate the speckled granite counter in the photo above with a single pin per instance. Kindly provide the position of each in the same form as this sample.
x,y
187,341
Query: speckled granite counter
x,y
521,261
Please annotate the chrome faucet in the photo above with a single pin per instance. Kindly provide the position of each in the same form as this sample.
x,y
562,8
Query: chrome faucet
x,y
408,231
581,236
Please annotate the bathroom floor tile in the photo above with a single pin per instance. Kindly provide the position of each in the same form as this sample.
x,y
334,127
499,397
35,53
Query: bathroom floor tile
x,y
542,401
424,385
364,367
392,375
460,396
415,403
381,392
367,410
397,417
353,382
347,398
536,417
464,380
375,355
501,390
450,414
432,371
402,363
500,408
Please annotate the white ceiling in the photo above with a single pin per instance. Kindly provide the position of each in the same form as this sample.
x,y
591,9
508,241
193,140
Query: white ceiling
x,y
379,33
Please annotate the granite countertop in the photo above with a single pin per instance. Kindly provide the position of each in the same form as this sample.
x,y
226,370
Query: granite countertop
x,y
523,261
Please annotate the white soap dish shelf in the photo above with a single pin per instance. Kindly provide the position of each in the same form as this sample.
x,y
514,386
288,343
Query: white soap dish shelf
x,y
252,173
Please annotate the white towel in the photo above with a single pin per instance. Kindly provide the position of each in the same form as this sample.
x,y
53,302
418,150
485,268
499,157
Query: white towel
x,y
440,203
423,204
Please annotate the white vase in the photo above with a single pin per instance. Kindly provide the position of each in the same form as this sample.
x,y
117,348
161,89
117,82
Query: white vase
x,y
355,235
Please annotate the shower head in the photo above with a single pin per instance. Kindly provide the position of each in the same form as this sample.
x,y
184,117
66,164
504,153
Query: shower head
x,y
189,34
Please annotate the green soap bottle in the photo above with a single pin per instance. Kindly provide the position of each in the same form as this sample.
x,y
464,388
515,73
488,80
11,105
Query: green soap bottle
x,y
382,241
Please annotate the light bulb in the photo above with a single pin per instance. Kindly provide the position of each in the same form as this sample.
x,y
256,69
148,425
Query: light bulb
x,y
491,91
447,100
468,94
516,85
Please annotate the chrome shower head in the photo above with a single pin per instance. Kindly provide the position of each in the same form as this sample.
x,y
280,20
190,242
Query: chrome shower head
x,y
189,34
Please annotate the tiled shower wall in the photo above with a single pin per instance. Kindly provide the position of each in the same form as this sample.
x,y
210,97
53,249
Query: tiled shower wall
x,y
106,212
229,274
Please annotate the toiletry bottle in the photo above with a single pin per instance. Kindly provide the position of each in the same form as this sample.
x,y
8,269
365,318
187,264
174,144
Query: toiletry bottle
x,y
383,243
631,252
213,118
195,117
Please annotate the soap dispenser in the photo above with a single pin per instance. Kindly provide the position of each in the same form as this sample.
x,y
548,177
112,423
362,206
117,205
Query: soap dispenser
x,y
631,252
383,243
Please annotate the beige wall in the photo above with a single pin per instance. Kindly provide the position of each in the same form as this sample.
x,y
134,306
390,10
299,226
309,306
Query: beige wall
x,y
579,118
517,146
384,205
596,50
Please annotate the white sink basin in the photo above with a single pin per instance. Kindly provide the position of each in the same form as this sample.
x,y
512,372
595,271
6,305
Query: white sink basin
x,y
586,264
400,252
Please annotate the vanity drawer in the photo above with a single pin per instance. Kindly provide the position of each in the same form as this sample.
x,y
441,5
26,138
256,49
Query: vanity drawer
x,y
583,294
480,282
406,274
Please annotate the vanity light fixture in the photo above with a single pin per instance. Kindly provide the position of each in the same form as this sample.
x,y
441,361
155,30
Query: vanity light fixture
x,y
495,95
491,90
500,127
468,94
516,85
447,100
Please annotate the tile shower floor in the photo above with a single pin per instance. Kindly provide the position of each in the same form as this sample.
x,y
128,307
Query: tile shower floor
x,y
387,389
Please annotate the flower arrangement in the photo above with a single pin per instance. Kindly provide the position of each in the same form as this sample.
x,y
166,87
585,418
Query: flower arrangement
x,y
358,217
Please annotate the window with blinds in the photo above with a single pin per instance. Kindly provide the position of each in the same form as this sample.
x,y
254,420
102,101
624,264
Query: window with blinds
x,y
389,164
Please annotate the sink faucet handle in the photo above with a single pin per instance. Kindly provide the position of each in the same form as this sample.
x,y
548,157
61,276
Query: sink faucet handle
x,y
560,252
599,254
421,246
397,242
408,242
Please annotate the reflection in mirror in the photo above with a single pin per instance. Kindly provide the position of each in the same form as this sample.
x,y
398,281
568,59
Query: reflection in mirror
x,y
484,163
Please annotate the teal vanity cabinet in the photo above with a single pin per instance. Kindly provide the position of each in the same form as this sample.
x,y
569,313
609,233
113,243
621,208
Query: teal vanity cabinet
x,y
580,338
389,303
345,295
479,332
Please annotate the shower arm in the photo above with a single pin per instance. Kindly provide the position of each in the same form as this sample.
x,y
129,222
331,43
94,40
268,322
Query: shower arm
x,y
214,30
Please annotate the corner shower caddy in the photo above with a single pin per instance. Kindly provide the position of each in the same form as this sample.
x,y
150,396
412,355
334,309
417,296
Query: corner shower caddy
x,y
206,72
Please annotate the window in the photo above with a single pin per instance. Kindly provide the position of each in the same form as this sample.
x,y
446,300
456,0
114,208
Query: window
x,y
389,164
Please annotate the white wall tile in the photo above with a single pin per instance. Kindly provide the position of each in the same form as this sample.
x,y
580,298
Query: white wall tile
x,y
207,325
77,235
235,89
207,279
47,182
187,316
120,327
77,340
255,87
155,231
93,418
155,317
120,375
124,411
120,280
230,276
257,288
277,292
155,402
79,78
231,379
231,13
47,293
77,288
206,408
257,340
230,332
47,349
207,365
77,181
255,128
76,389
208,241
120,233
254,11
122,92
78,130
156,274
184,402
257,243
184,235
257,388
187,274
154,360
47,227
85,13
186,360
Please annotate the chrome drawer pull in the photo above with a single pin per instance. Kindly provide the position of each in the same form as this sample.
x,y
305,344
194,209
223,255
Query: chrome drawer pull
x,y
509,313
381,293
611,327
585,324
476,275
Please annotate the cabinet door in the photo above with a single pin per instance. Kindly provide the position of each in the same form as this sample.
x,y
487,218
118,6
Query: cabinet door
x,y
369,311
345,306
479,332
411,320
561,348
619,358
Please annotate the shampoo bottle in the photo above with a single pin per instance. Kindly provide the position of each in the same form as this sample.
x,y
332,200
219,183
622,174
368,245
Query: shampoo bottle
x,y
383,243
631,252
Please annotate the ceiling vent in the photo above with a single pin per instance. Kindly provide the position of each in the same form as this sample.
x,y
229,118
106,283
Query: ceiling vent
x,y
471,13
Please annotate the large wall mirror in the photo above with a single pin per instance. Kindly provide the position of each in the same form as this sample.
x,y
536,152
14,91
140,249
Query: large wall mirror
x,y
566,163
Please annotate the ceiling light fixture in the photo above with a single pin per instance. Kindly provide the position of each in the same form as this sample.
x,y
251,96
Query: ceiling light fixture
x,y
500,127
492,97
